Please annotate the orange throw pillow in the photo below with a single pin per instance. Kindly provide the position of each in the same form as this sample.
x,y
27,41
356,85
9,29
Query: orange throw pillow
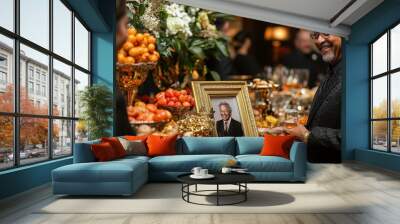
x,y
103,152
161,145
136,138
116,145
277,145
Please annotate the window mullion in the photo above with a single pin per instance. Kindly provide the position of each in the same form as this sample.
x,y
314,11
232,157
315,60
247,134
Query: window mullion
x,y
389,104
73,83
16,84
50,81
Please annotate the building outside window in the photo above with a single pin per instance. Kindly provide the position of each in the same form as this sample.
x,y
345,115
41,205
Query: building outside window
x,y
30,87
385,93
3,72
57,123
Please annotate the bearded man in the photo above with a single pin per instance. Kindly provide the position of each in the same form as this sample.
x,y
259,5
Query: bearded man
x,y
322,132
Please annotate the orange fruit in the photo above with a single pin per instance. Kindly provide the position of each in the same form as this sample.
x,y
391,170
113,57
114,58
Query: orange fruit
x,y
153,58
139,37
135,51
121,58
127,46
129,60
122,51
146,35
145,57
132,38
151,40
151,47
145,41
131,31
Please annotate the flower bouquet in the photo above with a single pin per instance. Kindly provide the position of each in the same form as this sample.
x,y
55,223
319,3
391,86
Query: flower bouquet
x,y
186,38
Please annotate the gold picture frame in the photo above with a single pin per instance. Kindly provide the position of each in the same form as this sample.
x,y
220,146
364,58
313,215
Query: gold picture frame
x,y
205,91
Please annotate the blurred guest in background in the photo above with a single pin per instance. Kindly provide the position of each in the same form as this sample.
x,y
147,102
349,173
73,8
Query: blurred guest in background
x,y
122,125
244,62
303,56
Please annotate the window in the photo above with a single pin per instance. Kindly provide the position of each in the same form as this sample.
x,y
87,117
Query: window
x,y
385,94
3,78
30,72
7,14
30,87
34,128
3,72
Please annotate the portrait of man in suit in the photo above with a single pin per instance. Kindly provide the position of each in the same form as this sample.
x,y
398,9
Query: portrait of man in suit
x,y
227,126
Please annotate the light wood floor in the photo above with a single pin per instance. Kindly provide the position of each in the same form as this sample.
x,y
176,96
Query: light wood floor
x,y
377,188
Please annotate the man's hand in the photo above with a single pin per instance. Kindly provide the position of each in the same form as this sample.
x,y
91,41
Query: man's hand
x,y
300,132
276,131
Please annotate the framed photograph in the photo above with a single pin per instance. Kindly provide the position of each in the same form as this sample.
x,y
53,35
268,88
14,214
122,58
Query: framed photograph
x,y
230,104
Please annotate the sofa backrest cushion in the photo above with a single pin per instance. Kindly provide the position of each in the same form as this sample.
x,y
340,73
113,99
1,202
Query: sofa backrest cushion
x,y
249,145
206,145
83,152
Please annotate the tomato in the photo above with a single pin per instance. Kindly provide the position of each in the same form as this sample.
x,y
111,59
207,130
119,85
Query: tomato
x,y
141,117
186,104
182,98
171,103
151,107
178,104
177,93
162,102
168,114
174,99
149,117
158,117
169,93
183,92
160,95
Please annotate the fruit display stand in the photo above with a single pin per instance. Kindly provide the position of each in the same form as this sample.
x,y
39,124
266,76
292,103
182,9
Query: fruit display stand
x,y
131,76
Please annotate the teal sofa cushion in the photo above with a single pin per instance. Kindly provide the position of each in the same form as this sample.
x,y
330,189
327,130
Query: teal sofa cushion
x,y
83,152
249,145
207,145
185,163
112,171
257,163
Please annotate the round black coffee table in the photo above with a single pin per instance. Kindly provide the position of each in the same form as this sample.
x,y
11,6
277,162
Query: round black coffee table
x,y
238,179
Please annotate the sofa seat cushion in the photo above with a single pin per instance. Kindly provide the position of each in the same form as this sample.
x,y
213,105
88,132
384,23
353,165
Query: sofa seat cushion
x,y
257,163
249,145
185,163
206,146
113,171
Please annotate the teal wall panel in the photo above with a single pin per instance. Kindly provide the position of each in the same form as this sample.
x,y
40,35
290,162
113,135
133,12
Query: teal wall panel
x,y
356,134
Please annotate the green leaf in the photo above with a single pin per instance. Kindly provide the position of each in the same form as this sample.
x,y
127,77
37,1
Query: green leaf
x,y
142,8
198,52
222,47
215,75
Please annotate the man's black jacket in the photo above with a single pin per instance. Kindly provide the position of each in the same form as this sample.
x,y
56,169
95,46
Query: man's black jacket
x,y
324,120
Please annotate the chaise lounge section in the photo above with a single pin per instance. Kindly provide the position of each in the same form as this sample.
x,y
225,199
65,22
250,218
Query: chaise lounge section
x,y
125,176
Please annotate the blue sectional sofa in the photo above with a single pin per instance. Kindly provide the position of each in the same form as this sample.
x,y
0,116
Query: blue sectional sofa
x,y
125,176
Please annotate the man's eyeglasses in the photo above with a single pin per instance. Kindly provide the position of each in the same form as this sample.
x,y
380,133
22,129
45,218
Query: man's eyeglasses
x,y
315,35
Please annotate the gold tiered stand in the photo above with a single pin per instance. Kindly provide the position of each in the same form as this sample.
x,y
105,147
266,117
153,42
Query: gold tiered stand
x,y
131,76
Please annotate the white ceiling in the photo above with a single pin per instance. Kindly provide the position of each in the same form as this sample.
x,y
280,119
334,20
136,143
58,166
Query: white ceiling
x,y
316,15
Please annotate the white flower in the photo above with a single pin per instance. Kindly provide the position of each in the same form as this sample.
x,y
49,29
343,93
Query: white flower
x,y
178,20
177,25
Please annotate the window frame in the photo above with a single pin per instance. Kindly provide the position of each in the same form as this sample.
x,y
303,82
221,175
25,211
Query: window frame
x,y
16,115
388,74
